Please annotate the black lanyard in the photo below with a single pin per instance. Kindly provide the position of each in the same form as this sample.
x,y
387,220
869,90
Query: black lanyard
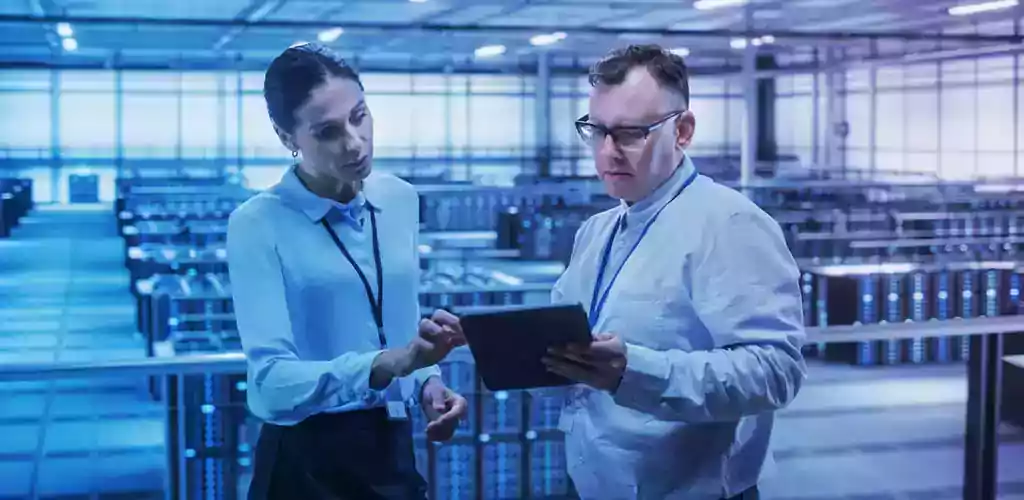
x,y
376,304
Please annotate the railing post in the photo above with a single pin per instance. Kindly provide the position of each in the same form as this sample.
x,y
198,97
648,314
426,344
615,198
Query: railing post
x,y
981,442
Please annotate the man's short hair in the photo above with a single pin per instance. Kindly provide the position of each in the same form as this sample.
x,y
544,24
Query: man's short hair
x,y
667,68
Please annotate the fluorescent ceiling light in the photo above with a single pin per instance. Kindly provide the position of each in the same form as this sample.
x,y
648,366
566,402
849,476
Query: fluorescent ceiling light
x,y
681,51
756,42
489,51
975,8
738,43
328,36
64,30
70,44
717,4
768,39
417,1
548,39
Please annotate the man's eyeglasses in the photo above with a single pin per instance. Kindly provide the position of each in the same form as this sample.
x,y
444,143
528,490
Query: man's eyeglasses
x,y
626,137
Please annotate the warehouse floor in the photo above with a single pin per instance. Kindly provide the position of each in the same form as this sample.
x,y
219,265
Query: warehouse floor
x,y
891,433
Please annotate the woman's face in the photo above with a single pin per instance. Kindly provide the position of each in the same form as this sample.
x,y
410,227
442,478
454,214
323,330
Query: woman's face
x,y
334,132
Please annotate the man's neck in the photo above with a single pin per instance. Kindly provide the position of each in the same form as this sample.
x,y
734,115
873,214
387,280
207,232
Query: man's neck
x,y
340,191
655,189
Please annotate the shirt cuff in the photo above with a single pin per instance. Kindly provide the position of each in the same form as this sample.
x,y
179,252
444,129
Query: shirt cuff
x,y
354,372
645,379
420,378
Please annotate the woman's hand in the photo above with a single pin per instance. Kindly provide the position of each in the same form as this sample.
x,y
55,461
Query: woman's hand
x,y
437,337
444,409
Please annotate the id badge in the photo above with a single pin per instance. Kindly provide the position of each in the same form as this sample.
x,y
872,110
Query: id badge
x,y
397,410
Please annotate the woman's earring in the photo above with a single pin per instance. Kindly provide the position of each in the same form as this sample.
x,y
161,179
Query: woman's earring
x,y
295,153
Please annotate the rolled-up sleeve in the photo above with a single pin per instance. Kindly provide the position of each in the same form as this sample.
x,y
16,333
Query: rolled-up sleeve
x,y
745,291
288,389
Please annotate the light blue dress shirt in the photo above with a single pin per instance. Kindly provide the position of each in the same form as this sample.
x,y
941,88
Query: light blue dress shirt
x,y
306,325
709,306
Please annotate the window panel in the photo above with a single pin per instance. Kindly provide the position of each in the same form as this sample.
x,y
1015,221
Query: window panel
x,y
926,163
801,120
200,135
889,120
958,72
734,115
995,69
87,124
563,116
458,116
995,165
859,159
386,82
995,118
392,124
164,81
957,166
889,161
25,120
710,118
428,122
25,80
922,118
495,83
92,81
150,125
958,120
495,122
858,115
199,81
258,136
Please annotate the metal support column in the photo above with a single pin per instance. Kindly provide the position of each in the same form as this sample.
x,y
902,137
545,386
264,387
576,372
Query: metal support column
x,y
222,125
119,120
816,158
872,120
981,442
240,123
56,161
180,104
542,115
835,116
748,148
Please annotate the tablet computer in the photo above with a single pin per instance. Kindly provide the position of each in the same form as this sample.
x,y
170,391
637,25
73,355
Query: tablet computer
x,y
508,345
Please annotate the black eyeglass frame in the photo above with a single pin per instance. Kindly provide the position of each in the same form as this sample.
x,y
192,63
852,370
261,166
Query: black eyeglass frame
x,y
643,129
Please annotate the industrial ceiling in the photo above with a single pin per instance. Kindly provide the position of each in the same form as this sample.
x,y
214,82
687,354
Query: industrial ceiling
x,y
481,33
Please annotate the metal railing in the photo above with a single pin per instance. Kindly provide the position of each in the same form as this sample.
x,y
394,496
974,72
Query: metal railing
x,y
984,377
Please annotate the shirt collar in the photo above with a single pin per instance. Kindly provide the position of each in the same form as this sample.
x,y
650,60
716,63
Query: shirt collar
x,y
296,195
644,209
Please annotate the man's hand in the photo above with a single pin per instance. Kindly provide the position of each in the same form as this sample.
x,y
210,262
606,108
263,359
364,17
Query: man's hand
x,y
443,407
437,337
599,365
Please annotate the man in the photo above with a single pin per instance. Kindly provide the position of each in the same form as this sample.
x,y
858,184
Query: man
x,y
693,298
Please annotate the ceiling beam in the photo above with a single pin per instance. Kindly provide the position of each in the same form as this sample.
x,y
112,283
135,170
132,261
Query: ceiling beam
x,y
256,12
472,28
36,7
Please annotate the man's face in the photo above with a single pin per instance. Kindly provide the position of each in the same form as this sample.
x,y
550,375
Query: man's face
x,y
633,167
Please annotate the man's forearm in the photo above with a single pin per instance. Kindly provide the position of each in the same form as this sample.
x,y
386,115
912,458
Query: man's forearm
x,y
705,386
389,365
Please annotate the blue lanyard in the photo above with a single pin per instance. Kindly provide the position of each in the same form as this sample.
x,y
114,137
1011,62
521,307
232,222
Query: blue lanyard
x,y
597,305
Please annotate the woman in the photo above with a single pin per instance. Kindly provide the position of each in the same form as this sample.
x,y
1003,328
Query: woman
x,y
325,276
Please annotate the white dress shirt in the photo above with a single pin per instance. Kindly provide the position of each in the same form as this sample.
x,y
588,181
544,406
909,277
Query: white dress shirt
x,y
709,306
306,325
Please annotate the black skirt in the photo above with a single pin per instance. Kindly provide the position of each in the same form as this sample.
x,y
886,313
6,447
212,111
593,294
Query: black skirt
x,y
338,456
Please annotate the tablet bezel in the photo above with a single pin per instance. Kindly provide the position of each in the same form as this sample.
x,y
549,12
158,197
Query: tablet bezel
x,y
508,345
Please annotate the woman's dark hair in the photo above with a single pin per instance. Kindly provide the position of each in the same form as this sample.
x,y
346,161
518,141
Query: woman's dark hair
x,y
668,68
294,74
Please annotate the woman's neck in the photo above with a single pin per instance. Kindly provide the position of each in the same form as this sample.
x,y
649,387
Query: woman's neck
x,y
332,189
